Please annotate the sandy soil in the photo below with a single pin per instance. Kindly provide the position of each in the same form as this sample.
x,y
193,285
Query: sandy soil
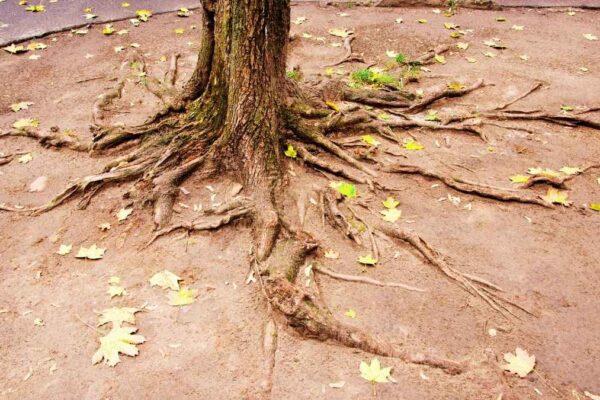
x,y
545,259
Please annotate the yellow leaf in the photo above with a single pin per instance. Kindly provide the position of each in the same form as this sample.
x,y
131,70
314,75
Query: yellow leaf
x,y
114,280
373,372
166,280
299,20
571,170
350,313
25,158
183,12
391,215
550,173
104,226
117,315
524,57
367,260
440,59
91,253
182,297
450,25
23,123
517,27
412,145
333,105
108,30
519,179
520,363
179,31
595,206
346,189
119,340
462,45
391,54
36,8
64,249
589,36
455,86
14,49
124,213
501,19
291,152
471,59
370,140
422,21
125,4
555,196
143,15
489,54
390,203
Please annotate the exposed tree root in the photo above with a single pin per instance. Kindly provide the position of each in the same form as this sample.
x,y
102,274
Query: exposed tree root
x,y
350,56
556,181
337,219
570,120
364,279
439,92
473,285
269,350
55,139
468,187
533,88
5,159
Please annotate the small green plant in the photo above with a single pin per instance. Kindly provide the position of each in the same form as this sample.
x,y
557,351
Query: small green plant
x,y
370,77
293,74
401,58
413,72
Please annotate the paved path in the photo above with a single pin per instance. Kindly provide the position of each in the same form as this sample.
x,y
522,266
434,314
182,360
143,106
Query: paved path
x,y
66,14
17,24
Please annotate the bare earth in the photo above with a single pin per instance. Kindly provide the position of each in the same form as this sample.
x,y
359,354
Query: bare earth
x,y
546,259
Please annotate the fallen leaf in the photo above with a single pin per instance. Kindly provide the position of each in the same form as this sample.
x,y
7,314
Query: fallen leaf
x,y
440,59
182,297
13,49
36,8
64,249
25,158
337,385
299,20
524,57
555,196
462,45
571,170
520,363
595,206
370,140
589,36
118,315
143,15
119,49
391,215
367,260
412,145
422,21
91,253
22,105
346,189
399,20
114,280
350,313
23,123
118,340
104,226
517,27
183,12
471,59
39,322
591,396
124,213
39,184
108,30
489,54
455,86
501,19
519,179
290,152
374,372
390,203
166,280
179,31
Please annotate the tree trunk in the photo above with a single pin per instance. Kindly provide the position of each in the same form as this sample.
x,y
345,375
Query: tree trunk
x,y
238,84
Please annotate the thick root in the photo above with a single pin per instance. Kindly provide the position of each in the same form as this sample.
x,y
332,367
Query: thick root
x,y
364,279
468,187
440,92
55,139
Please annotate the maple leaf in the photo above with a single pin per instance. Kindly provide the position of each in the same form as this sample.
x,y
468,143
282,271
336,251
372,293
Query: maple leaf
x,y
290,152
143,15
571,170
520,363
118,315
182,297
519,179
23,123
346,189
124,213
390,202
373,372
64,249
25,158
350,313
367,260
455,86
555,196
370,140
91,253
165,279
341,32
412,145
22,105
119,340
108,30
391,215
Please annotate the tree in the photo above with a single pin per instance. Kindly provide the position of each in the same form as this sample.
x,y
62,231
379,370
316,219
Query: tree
x,y
234,116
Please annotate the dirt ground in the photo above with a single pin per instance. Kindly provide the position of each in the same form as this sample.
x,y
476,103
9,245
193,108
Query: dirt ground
x,y
546,259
